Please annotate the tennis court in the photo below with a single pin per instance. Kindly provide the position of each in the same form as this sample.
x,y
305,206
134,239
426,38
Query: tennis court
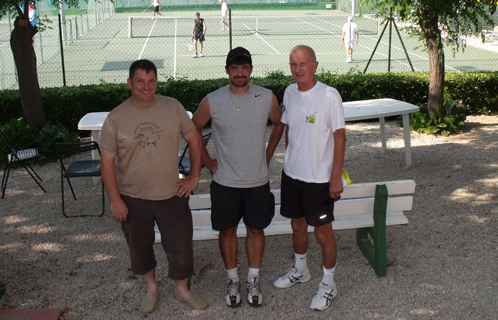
x,y
105,52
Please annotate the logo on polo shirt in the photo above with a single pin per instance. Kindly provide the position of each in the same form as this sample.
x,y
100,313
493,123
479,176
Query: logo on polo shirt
x,y
311,118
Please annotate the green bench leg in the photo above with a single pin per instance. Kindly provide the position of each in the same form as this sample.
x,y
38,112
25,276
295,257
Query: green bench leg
x,y
376,253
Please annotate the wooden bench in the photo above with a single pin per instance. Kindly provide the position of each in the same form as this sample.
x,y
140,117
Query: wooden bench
x,y
367,207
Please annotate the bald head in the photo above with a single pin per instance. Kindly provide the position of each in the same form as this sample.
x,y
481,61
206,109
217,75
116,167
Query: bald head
x,y
306,50
303,65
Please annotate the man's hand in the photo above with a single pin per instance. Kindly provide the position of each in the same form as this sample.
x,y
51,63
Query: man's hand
x,y
335,188
211,164
186,185
119,210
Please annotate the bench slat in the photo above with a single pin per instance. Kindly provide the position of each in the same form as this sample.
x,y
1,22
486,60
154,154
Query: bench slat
x,y
355,190
342,208
205,232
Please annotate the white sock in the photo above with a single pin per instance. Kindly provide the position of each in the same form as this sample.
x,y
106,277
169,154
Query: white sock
x,y
328,276
300,263
253,273
233,274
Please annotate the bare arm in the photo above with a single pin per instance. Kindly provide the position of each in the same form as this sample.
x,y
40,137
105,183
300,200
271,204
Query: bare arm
x,y
335,185
205,27
118,207
200,118
286,136
342,41
276,132
186,185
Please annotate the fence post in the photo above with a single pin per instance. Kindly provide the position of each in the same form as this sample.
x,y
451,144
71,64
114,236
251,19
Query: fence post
x,y
41,47
230,26
62,52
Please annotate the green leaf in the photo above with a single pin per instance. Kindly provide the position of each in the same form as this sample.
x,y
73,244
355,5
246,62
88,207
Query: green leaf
x,y
432,129
449,119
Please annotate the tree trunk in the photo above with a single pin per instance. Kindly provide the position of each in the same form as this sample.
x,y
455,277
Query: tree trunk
x,y
21,43
436,63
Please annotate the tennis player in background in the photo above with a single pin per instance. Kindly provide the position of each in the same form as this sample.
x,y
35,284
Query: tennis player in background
x,y
349,33
198,32
224,14
157,7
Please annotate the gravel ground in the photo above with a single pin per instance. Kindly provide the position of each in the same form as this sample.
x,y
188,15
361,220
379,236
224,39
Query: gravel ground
x,y
442,265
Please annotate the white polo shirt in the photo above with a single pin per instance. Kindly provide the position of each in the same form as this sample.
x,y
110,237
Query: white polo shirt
x,y
312,117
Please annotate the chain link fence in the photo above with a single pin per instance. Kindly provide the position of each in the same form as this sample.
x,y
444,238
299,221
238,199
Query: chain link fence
x,y
99,46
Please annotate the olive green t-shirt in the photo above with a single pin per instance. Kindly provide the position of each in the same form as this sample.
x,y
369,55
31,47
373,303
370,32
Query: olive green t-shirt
x,y
146,142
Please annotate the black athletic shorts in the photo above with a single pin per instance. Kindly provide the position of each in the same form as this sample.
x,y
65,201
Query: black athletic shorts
x,y
199,37
228,205
156,8
309,200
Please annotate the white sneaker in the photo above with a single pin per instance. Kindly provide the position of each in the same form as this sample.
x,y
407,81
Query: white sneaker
x,y
195,55
323,296
222,29
291,278
348,59
233,293
200,54
254,296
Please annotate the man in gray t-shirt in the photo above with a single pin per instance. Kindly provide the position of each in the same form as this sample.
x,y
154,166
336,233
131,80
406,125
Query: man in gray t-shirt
x,y
240,188
198,32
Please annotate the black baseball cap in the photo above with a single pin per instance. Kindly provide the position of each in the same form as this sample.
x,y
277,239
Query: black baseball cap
x,y
239,54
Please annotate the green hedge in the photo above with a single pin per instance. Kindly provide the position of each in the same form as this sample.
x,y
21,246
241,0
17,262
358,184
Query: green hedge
x,y
67,105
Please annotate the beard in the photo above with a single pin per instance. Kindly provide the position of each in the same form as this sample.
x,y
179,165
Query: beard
x,y
239,81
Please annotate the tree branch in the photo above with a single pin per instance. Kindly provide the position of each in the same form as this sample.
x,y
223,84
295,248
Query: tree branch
x,y
16,6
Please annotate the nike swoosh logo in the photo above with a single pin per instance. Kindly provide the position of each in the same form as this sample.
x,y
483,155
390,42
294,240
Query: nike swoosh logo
x,y
257,95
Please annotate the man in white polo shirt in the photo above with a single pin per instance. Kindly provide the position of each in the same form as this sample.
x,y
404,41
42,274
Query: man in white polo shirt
x,y
311,178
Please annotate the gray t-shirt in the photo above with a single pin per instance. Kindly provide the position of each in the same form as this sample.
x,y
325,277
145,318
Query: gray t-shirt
x,y
240,136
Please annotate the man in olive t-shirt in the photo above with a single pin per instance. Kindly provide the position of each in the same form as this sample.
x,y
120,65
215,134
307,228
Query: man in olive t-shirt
x,y
143,135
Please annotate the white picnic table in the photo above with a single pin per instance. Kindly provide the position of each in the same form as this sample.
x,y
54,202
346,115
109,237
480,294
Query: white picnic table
x,y
382,108
353,111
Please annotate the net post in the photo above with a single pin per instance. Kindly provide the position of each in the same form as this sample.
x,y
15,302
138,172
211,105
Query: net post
x,y
70,31
130,35
230,26
76,25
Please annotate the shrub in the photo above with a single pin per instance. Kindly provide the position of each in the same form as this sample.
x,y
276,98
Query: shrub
x,y
24,136
68,105
449,121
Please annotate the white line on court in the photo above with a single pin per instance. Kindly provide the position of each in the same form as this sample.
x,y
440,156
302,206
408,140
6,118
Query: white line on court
x,y
257,35
148,37
340,35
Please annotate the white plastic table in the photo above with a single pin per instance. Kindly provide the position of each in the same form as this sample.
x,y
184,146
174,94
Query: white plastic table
x,y
94,121
353,111
382,108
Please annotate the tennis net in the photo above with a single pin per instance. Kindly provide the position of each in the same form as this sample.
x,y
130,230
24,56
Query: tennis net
x,y
143,27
